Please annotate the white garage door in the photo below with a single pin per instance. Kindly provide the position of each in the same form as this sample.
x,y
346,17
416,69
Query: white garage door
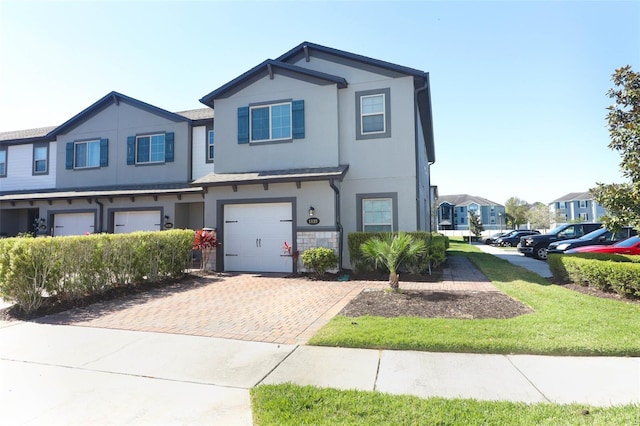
x,y
254,235
143,220
73,224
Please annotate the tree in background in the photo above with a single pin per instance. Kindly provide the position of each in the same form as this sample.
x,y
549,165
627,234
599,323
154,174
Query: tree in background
x,y
516,210
622,200
474,223
539,216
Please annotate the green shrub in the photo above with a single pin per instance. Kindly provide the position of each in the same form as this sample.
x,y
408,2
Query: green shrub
x,y
606,272
319,260
77,266
436,254
558,270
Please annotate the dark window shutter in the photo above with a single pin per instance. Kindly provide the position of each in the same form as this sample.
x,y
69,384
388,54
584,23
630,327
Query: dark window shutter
x,y
168,147
243,125
297,110
131,150
69,158
104,152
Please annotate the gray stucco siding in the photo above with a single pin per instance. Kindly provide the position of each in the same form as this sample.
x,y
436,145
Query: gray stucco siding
x,y
316,194
318,148
116,123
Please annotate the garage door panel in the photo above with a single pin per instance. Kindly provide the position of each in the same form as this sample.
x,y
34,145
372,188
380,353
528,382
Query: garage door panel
x,y
73,224
254,235
132,221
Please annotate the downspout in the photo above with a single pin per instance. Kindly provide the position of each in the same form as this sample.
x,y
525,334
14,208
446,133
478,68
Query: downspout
x,y
338,224
417,159
100,214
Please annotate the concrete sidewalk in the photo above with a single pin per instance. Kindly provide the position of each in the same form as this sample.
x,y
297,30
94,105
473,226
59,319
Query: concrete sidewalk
x,y
540,267
54,374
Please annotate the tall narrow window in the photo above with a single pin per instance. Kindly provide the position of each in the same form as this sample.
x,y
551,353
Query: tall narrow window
x,y
40,159
373,115
210,146
372,108
3,163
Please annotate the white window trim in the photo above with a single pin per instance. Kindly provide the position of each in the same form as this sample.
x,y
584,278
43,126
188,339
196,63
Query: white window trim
x,y
383,114
46,160
271,138
583,204
6,155
164,136
75,144
209,145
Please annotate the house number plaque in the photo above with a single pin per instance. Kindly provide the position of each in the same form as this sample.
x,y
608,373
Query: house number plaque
x,y
313,221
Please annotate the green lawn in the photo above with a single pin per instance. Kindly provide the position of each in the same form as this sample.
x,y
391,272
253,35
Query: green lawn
x,y
564,322
290,404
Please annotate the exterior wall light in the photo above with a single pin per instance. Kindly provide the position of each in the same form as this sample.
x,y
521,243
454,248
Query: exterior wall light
x,y
312,211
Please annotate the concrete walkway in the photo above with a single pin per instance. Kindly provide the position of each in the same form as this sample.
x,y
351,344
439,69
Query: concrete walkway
x,y
540,267
68,375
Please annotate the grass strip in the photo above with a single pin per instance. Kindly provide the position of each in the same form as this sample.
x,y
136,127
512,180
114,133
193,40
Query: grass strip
x,y
289,404
564,322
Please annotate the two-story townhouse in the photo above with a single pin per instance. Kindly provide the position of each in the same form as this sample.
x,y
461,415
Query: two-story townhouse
x,y
576,206
314,145
453,212
121,165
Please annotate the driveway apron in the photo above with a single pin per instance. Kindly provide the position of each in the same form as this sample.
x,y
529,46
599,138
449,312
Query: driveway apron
x,y
254,307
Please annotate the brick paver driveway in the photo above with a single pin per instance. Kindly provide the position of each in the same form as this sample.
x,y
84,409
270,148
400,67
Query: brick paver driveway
x,y
263,308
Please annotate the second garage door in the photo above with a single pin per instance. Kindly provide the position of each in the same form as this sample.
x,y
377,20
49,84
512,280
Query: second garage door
x,y
254,236
132,221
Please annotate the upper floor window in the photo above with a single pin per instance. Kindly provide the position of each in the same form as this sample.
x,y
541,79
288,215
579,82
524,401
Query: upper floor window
x,y
373,115
41,159
271,122
583,204
210,146
87,154
149,149
3,163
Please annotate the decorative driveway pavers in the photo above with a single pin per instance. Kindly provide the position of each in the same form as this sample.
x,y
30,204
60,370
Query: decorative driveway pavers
x,y
262,308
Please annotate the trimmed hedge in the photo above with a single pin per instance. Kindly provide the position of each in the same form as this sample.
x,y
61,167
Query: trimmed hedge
x,y
437,245
77,266
618,273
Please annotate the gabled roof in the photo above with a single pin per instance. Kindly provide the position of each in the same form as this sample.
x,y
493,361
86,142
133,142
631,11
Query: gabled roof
x,y
268,68
108,100
574,196
465,200
307,49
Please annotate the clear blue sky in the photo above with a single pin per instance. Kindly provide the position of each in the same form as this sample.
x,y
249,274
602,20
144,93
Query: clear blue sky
x,y
518,88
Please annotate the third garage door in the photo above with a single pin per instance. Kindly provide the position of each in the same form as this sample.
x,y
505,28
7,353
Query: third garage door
x,y
254,236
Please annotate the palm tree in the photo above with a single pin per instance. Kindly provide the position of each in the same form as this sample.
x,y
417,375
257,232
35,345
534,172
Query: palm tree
x,y
391,251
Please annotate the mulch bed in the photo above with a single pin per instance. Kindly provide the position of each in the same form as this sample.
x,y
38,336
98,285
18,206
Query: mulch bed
x,y
434,304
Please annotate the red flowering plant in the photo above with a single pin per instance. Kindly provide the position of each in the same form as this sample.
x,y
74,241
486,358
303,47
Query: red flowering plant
x,y
205,240
287,250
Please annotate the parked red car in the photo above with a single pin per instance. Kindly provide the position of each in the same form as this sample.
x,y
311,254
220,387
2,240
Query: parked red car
x,y
628,246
